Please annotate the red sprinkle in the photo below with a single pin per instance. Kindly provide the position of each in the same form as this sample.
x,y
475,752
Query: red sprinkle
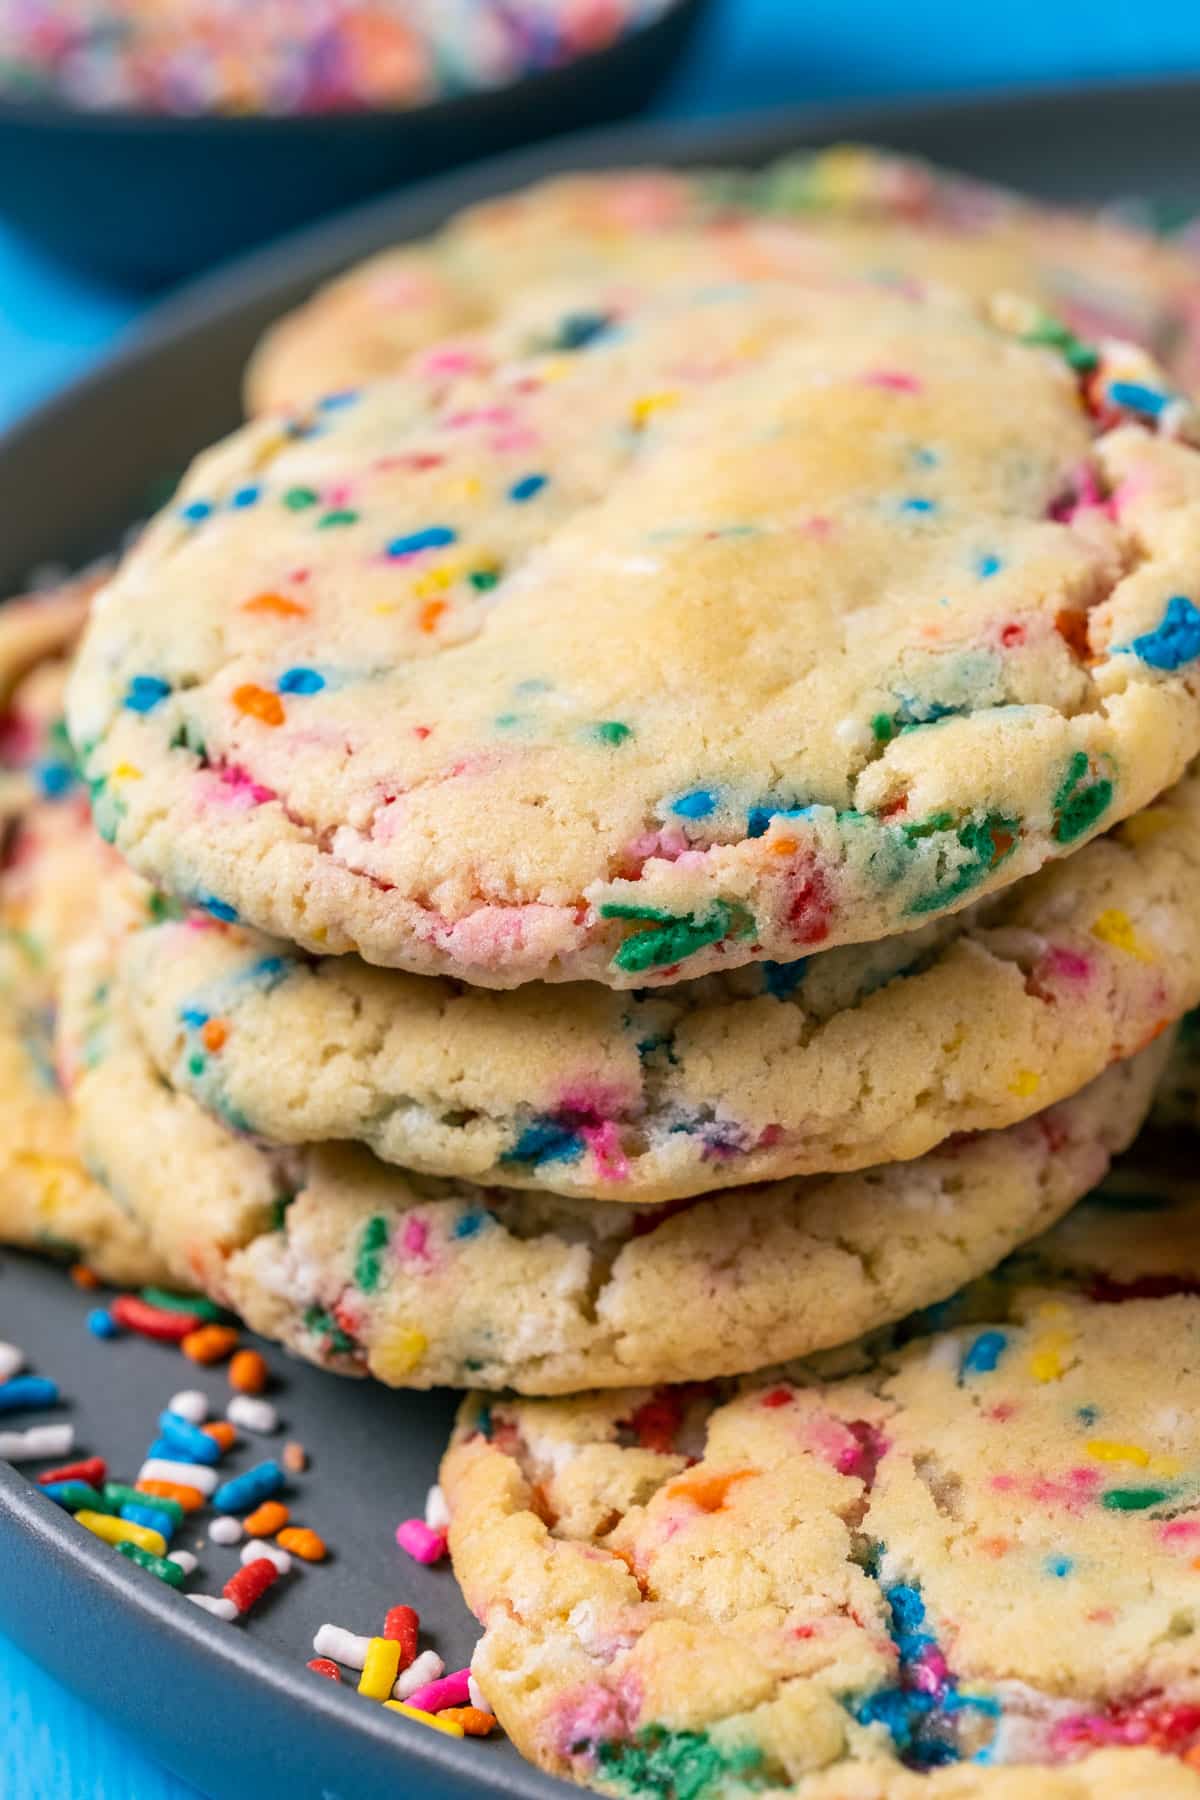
x,y
250,1583
321,1665
152,1321
93,1470
402,1626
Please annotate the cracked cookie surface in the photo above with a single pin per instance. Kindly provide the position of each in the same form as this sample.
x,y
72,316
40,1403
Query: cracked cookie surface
x,y
368,1269
766,619
865,212
860,1056
963,1564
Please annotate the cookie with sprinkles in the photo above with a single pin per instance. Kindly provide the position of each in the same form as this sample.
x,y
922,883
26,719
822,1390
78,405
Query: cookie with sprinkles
x,y
966,1567
52,862
733,635
365,1268
885,217
864,1055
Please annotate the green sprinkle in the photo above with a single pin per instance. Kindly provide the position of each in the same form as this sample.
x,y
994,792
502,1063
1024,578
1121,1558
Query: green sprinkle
x,y
341,515
1077,808
162,1566
80,1496
613,910
883,728
681,938
483,580
989,841
371,1246
611,731
279,1211
1134,1499
676,1765
117,1495
1050,334
185,1303
196,1065
297,498
927,827
323,1324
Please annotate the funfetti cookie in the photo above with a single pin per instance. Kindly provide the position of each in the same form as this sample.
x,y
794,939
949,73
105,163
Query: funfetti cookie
x,y
867,213
865,1055
966,1568
767,620
367,1269
52,865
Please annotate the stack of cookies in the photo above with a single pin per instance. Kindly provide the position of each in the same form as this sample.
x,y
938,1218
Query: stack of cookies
x,y
655,839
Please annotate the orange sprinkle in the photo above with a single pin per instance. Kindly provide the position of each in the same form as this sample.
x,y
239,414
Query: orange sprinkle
x,y
214,1034
469,1719
248,1373
279,604
259,703
782,846
308,1545
430,613
209,1344
707,1489
190,1498
1072,628
266,1519
221,1432
996,1546
294,1458
83,1277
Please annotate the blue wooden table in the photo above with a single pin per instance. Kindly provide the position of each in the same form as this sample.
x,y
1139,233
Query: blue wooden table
x,y
754,53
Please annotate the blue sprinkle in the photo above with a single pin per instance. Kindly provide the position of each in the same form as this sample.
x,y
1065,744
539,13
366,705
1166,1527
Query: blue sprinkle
x,y
983,1355
526,488
246,496
101,1324
1138,397
926,459
145,692
470,1225
545,1141
21,1391
245,1492
301,681
165,1448
54,779
151,1518
782,979
1058,1565
268,972
696,805
1087,1415
758,818
332,402
58,1492
987,566
433,537
1175,641
220,909
195,511
580,329
192,1016
188,1439
918,505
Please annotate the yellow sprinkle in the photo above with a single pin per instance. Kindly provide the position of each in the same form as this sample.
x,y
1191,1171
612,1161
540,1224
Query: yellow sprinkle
x,y
1148,824
436,581
1024,1082
424,1718
1046,1364
645,408
399,1354
126,772
469,488
380,1668
1165,1465
1116,928
116,1531
1103,1450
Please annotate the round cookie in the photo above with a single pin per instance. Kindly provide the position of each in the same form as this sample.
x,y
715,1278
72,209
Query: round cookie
x,y
52,862
421,1282
770,619
966,1567
867,212
863,1055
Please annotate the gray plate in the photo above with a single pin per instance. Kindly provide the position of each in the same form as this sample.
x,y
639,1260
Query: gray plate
x,y
232,1709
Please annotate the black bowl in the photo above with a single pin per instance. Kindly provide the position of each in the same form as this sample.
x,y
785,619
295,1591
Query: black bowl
x,y
143,199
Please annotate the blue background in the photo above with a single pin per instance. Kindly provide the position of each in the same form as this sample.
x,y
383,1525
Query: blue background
x,y
753,53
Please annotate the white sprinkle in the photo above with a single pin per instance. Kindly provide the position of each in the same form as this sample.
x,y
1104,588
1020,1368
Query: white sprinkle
x,y
437,1513
195,1475
252,1414
225,1530
39,1440
476,1695
426,1667
256,1551
216,1604
185,1559
342,1646
191,1405
854,734
11,1359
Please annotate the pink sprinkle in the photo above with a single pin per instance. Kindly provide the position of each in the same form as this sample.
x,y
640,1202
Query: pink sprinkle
x,y
420,1541
604,1142
415,1241
1175,1529
895,380
450,1690
929,1674
769,1136
817,526
1086,497
1069,964
451,359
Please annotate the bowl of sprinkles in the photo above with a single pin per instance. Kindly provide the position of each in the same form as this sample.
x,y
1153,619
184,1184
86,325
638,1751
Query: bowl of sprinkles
x,y
144,142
